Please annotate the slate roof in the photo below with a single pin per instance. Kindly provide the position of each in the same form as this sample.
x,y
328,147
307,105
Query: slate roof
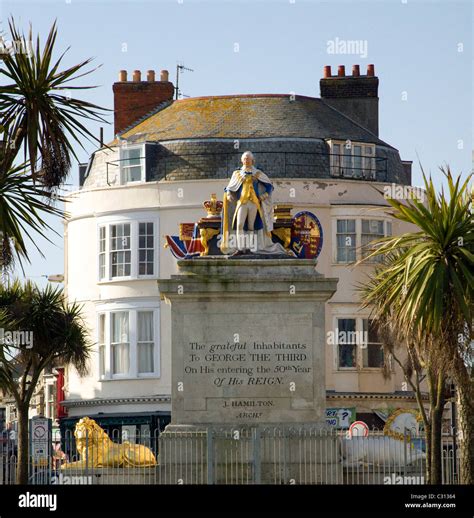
x,y
247,117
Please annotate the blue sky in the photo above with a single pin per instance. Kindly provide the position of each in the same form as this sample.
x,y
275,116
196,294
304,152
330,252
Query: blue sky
x,y
422,53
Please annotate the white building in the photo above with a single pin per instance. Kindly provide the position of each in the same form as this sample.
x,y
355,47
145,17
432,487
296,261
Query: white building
x,y
324,156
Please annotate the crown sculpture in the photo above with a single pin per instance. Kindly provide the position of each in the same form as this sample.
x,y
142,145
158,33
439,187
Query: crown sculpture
x,y
213,206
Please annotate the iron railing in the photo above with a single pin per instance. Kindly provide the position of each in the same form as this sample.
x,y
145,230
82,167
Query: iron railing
x,y
359,167
301,164
238,456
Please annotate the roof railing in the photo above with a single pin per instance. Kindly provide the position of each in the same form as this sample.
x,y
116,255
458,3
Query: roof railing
x,y
291,164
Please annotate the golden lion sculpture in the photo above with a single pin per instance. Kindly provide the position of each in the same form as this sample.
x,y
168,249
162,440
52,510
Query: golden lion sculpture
x,y
100,451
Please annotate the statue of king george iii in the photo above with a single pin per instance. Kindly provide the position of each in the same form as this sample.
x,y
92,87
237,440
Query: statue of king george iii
x,y
247,216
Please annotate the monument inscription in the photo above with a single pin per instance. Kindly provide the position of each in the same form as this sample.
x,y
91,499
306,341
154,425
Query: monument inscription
x,y
246,365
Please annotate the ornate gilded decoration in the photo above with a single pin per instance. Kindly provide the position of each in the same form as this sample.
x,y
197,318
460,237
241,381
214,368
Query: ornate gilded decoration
x,y
100,451
206,235
282,212
213,206
246,222
186,231
284,234
401,423
307,235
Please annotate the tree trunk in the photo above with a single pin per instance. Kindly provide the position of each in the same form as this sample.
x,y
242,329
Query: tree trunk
x,y
436,386
23,444
428,454
466,433
435,446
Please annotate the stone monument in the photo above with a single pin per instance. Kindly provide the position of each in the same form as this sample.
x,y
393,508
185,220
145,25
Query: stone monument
x,y
248,339
247,323
247,327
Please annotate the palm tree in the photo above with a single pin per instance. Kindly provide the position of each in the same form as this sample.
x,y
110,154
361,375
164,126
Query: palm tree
x,y
38,112
412,351
40,118
427,281
59,337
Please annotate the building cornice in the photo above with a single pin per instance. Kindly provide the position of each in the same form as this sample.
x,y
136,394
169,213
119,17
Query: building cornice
x,y
408,395
70,403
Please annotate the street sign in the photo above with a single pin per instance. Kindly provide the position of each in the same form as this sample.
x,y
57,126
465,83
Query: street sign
x,y
358,429
40,439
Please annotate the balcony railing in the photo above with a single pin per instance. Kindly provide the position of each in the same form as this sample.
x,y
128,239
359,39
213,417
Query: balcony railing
x,y
364,167
277,163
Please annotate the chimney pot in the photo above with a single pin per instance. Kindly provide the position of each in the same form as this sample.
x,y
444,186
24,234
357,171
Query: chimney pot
x,y
135,98
122,76
164,75
150,76
137,76
345,92
327,71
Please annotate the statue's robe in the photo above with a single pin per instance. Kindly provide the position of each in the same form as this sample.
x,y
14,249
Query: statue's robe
x,y
263,224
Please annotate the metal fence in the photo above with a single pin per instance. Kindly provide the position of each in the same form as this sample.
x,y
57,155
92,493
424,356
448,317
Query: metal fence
x,y
236,456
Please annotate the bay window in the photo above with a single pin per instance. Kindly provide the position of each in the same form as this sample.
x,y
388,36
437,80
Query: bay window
x,y
102,252
145,342
120,343
127,249
101,344
128,341
145,249
120,250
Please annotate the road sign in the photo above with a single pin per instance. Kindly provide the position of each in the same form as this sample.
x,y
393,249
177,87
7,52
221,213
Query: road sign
x,y
40,439
358,429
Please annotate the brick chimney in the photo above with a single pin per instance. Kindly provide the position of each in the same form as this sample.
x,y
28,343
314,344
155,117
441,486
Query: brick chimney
x,y
134,99
356,96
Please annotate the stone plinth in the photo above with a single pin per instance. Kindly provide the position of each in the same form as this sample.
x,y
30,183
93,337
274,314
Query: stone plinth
x,y
248,341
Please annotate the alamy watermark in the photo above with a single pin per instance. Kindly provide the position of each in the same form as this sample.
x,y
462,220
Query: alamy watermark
x,y
348,337
68,480
16,338
38,500
394,479
246,241
403,192
353,47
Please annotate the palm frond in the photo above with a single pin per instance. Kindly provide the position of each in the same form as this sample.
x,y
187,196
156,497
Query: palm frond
x,y
38,111
23,205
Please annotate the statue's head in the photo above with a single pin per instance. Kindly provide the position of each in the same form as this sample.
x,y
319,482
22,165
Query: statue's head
x,y
248,159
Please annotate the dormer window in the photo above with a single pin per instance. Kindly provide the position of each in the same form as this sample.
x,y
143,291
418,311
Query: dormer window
x,y
132,164
352,159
